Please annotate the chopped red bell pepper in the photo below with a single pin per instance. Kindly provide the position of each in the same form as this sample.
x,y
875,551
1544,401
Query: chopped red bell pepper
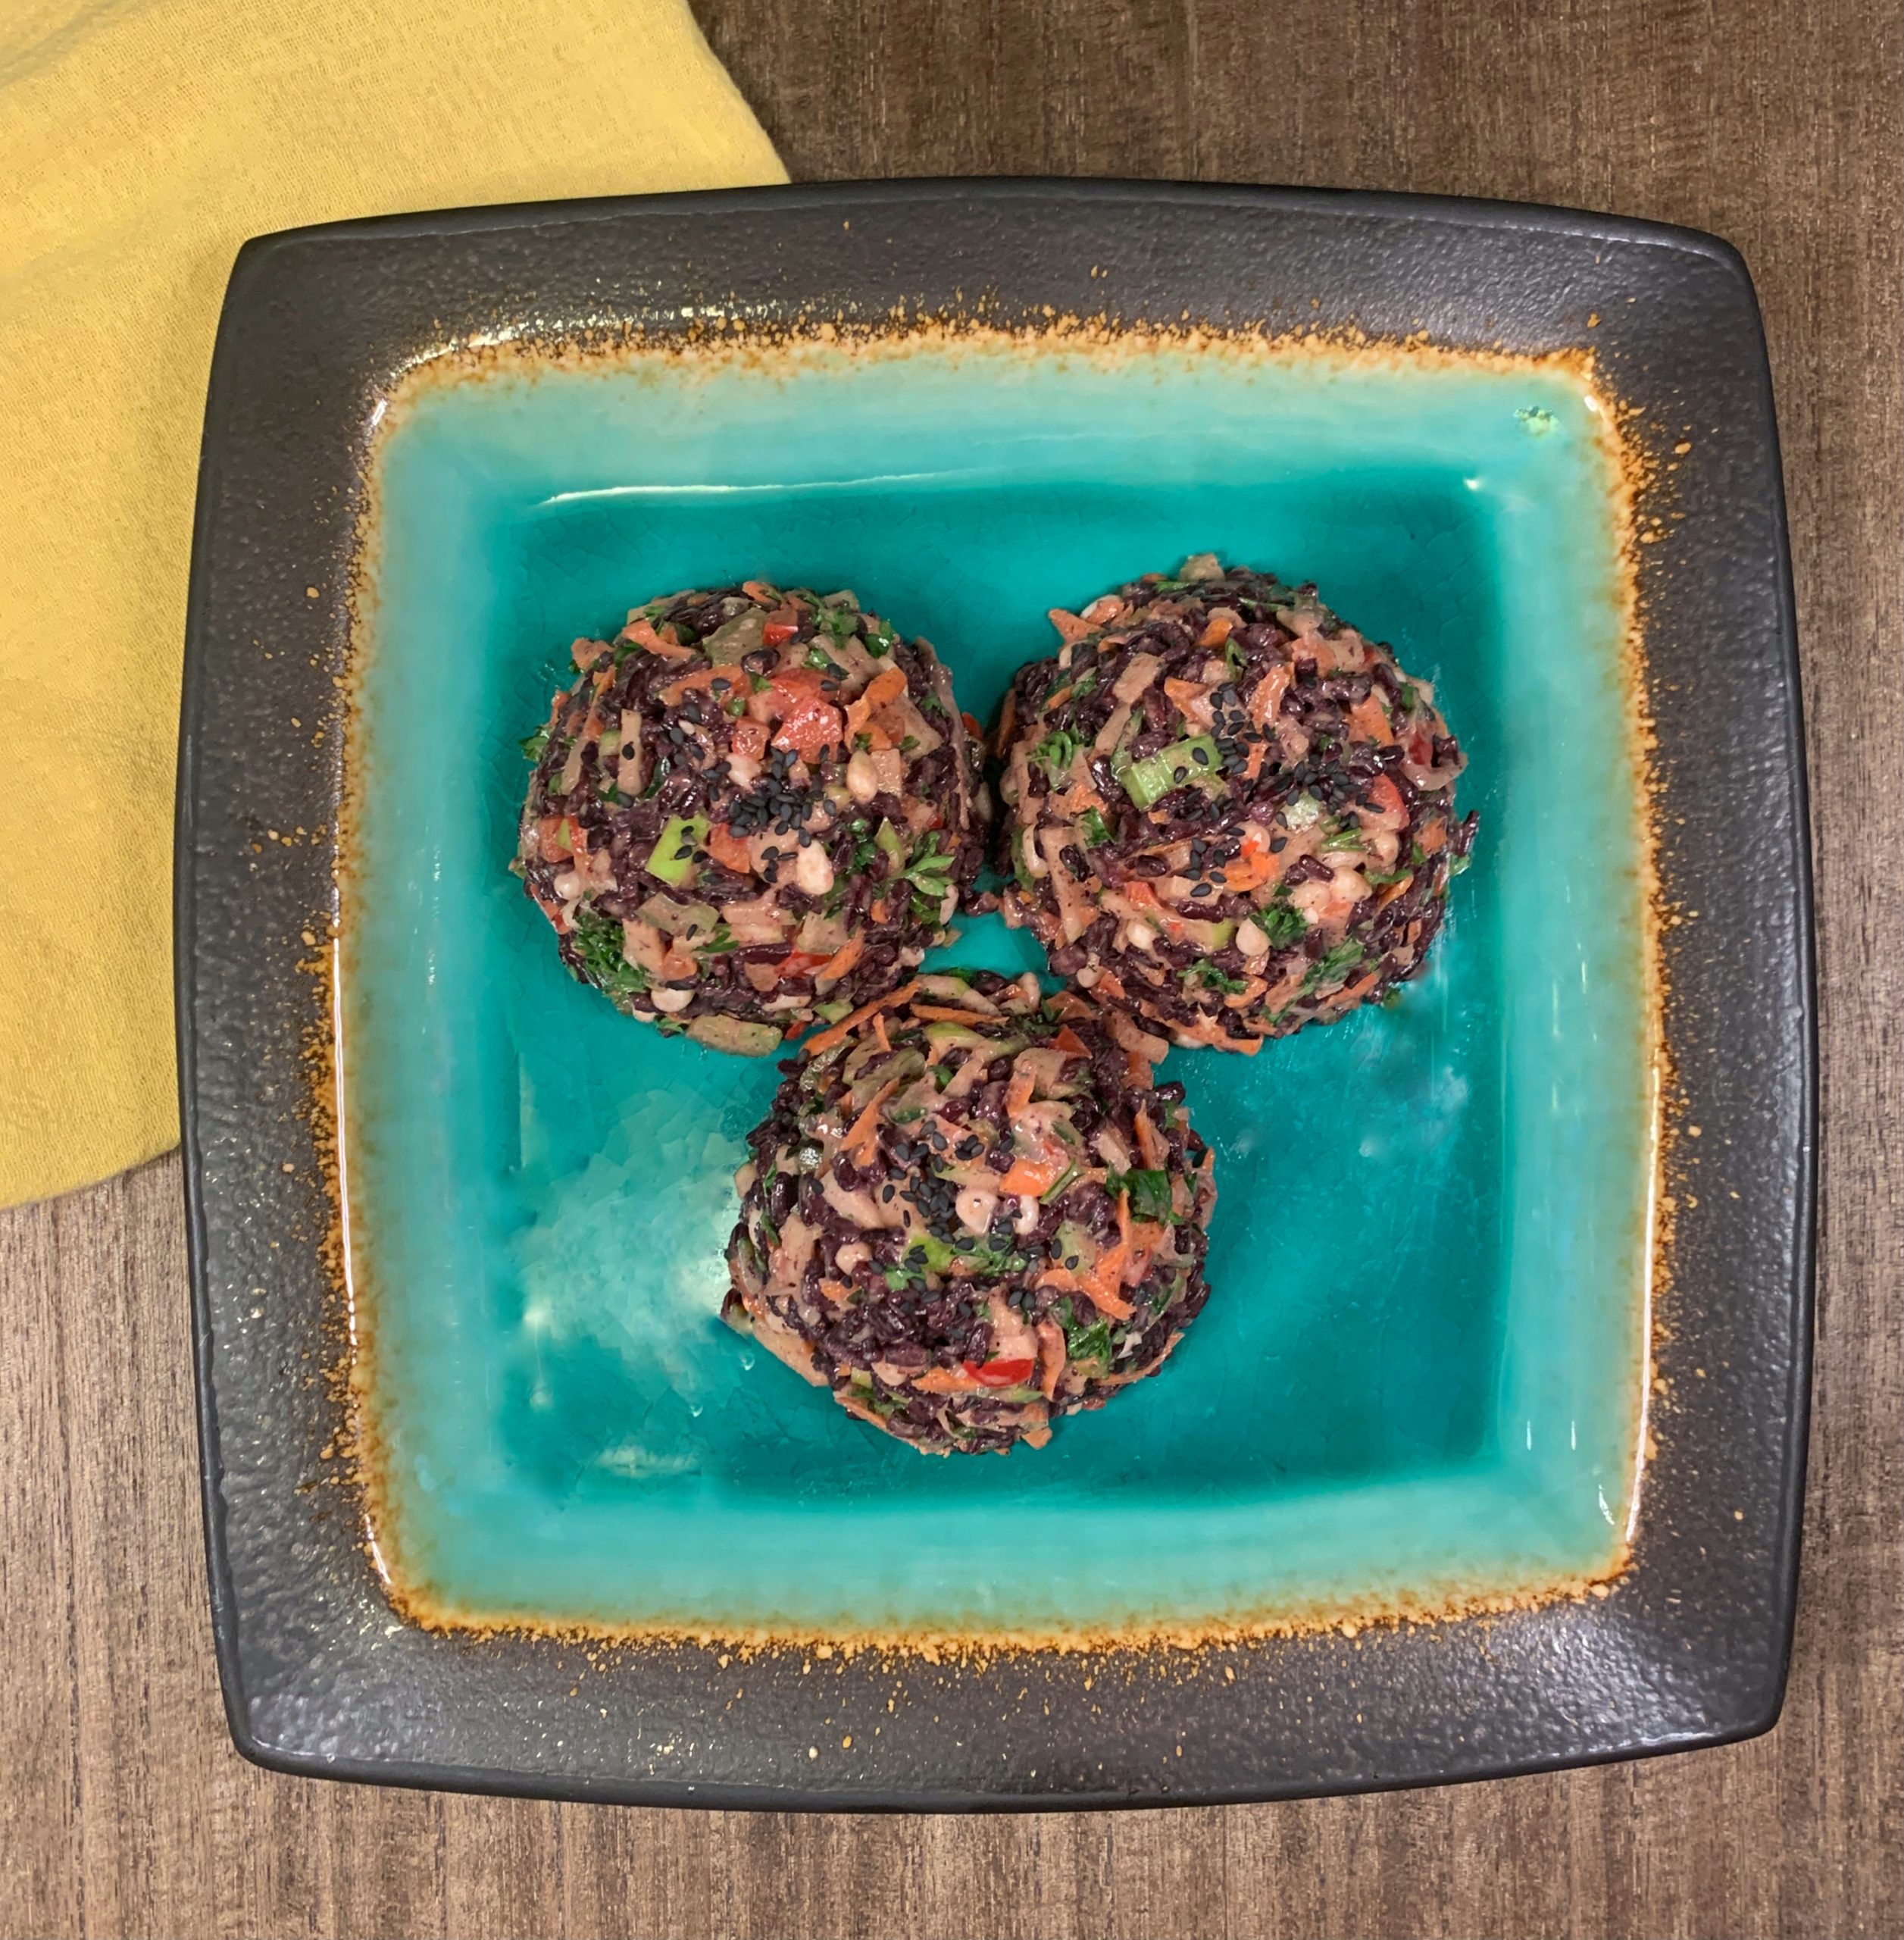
x,y
809,724
1002,1374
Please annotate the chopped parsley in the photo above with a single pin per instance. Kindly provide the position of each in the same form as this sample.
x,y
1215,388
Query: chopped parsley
x,y
1333,965
1214,978
1149,1193
533,745
1283,923
597,945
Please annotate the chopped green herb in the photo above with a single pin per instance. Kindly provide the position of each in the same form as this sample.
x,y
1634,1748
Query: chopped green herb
x,y
822,662
598,943
1283,923
1149,1192
1093,828
1344,836
533,744
1056,1189
842,623
1333,965
930,868
1213,977
1091,1343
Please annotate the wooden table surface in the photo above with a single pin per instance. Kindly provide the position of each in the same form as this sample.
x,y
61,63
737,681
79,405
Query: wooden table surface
x,y
126,1811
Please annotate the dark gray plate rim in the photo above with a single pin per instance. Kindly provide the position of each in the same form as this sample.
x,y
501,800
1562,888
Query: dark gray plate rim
x,y
1689,1648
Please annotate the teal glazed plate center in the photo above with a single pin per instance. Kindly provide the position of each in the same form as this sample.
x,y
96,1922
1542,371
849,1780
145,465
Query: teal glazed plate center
x,y
1419,1384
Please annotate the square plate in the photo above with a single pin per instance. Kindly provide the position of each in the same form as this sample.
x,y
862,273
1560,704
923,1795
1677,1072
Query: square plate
x,y
1450,1416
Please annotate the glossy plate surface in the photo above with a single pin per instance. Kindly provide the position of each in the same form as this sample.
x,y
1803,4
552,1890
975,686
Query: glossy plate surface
x,y
1421,1370
1420,1374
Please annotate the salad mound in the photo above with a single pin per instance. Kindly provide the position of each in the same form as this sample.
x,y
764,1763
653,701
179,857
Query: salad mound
x,y
970,1210
755,809
1226,811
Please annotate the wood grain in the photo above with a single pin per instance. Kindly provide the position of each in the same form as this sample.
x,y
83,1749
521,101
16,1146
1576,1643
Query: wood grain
x,y
1777,125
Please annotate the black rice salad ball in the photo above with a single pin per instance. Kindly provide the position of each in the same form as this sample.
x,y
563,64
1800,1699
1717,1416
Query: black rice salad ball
x,y
972,1210
1224,810
754,809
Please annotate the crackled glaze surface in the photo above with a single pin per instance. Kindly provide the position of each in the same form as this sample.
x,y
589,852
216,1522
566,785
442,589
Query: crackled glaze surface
x,y
1418,1380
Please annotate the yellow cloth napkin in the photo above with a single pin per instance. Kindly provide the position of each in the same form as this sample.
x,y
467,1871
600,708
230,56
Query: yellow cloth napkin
x,y
141,141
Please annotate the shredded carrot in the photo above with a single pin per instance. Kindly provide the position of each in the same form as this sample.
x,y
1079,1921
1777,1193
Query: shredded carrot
x,y
1369,718
838,1033
1070,627
1031,1178
1102,1282
945,1014
1076,799
1149,1145
1219,630
1184,692
841,960
866,1127
1051,1357
1018,1092
757,589
1068,1040
643,633
1267,695
1253,866
880,689
879,1033
945,1381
